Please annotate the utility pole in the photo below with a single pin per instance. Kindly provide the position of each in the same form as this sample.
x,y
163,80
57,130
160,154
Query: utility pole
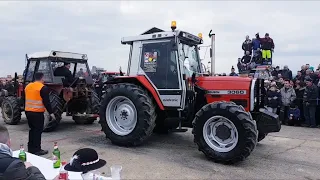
x,y
212,52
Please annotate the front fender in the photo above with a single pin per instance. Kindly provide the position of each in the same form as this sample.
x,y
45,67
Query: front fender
x,y
141,81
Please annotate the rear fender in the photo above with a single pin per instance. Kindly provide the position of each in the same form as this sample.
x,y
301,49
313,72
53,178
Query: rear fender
x,y
141,81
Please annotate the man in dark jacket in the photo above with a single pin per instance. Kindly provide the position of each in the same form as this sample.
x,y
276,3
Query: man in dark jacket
x,y
246,60
299,76
240,66
267,46
64,71
273,99
310,102
13,168
286,73
276,71
233,73
247,45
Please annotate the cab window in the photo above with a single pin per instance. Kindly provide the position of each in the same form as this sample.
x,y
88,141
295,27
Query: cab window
x,y
44,67
30,71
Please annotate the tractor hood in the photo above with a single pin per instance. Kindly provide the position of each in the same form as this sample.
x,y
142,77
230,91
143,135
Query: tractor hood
x,y
227,83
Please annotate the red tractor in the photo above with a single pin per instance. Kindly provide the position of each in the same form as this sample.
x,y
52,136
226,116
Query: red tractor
x,y
76,98
165,90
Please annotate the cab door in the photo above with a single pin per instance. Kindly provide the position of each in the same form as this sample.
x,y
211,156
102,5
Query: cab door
x,y
159,61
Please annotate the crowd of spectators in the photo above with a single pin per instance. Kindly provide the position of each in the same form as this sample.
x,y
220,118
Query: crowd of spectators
x,y
296,99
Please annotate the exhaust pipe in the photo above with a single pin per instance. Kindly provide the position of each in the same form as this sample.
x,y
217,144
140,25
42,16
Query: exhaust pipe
x,y
212,52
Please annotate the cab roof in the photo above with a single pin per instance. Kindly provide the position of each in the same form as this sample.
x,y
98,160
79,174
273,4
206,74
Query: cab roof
x,y
156,33
60,54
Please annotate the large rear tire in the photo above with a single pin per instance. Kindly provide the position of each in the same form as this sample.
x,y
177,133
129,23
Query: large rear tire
x,y
224,132
57,107
127,115
11,110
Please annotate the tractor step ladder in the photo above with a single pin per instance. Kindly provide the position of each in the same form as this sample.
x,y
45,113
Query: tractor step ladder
x,y
179,129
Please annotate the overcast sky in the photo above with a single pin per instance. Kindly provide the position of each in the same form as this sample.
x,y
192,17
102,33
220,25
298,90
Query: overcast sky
x,y
96,28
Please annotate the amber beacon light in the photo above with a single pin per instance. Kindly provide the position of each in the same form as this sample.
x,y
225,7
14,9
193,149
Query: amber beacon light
x,y
200,35
173,25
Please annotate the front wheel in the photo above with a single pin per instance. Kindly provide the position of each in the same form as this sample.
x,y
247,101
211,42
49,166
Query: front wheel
x,y
224,132
127,115
11,110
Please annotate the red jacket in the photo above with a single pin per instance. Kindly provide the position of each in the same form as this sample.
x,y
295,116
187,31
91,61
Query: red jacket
x,y
267,43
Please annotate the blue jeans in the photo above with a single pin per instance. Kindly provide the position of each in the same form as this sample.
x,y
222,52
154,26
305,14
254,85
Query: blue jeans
x,y
310,114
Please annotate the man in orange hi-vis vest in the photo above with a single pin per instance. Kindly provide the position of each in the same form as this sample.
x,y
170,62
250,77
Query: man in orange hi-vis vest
x,y
37,102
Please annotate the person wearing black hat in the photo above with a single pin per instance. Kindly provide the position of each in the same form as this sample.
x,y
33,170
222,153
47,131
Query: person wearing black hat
x,y
85,160
310,102
64,71
267,45
233,73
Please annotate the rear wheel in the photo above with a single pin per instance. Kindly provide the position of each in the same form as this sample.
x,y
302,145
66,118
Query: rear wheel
x,y
127,114
11,110
224,132
57,107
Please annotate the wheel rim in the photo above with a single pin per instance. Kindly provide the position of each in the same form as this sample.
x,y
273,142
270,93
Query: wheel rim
x,y
220,134
121,115
8,111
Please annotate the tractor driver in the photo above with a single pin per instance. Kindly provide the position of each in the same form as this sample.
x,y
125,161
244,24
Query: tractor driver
x,y
64,71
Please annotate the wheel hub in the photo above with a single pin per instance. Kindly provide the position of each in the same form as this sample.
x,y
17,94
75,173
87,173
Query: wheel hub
x,y
223,132
124,115
220,134
121,115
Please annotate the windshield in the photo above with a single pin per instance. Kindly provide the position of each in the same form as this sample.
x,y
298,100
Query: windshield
x,y
189,55
80,71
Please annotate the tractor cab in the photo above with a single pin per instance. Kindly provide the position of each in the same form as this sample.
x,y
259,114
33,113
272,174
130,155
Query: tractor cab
x,y
167,59
52,61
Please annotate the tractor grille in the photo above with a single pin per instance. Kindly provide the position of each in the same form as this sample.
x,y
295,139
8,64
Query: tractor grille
x,y
259,92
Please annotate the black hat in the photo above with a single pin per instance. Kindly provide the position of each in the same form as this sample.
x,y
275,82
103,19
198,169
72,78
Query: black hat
x,y
85,160
66,63
267,34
